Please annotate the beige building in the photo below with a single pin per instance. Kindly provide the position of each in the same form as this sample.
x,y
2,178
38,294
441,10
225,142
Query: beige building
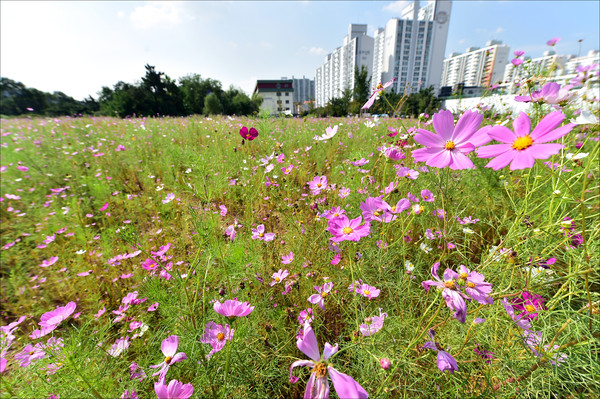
x,y
481,67
278,96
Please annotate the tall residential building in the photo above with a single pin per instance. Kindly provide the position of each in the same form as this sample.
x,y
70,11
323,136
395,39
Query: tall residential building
x,y
412,48
304,93
549,61
478,66
337,72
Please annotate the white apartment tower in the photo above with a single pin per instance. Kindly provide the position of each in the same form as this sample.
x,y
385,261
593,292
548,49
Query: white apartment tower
x,y
550,61
478,66
412,48
337,73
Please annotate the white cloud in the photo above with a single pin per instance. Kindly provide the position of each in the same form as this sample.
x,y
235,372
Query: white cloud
x,y
317,51
462,41
158,14
500,29
396,6
120,15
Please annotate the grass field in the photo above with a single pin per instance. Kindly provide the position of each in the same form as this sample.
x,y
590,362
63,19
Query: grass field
x,y
131,230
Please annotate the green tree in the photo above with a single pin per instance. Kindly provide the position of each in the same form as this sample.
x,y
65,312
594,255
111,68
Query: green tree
x,y
212,105
362,84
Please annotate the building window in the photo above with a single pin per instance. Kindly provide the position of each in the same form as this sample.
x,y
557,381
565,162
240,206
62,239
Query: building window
x,y
287,101
287,94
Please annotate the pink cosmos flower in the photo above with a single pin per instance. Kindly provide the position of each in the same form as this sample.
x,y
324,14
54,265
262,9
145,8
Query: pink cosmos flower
x,y
451,294
552,42
368,291
217,336
286,171
120,346
550,93
329,133
472,284
535,341
169,348
375,95
287,259
322,293
445,361
30,353
375,208
402,205
175,390
516,61
317,184
136,372
318,385
55,317
233,308
248,134
403,171
427,195
521,148
223,209
259,233
372,324
170,197
393,153
279,276
449,146
344,229
519,53
49,262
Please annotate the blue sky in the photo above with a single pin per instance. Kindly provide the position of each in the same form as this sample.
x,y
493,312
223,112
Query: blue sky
x,y
78,47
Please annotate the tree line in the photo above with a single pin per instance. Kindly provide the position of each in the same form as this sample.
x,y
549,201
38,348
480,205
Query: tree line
x,y
155,95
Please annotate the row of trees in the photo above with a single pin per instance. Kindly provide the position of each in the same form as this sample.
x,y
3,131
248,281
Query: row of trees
x,y
16,99
155,95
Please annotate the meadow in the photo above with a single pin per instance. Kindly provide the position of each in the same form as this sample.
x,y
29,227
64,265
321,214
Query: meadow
x,y
146,257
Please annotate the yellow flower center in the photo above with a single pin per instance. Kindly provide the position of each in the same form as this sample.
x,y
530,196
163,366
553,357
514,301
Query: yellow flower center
x,y
376,213
261,235
31,353
348,230
168,359
320,370
336,214
367,292
522,143
449,145
277,279
450,284
323,294
464,276
319,185
379,86
220,336
530,308
393,209
470,284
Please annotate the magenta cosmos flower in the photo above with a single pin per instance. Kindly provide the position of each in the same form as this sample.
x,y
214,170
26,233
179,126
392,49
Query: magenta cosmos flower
x,y
318,384
449,146
322,293
216,335
529,305
248,134
522,147
375,95
233,308
175,390
169,348
344,229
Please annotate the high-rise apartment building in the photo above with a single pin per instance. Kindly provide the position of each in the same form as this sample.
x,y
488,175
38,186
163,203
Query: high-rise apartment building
x,y
550,61
337,73
478,66
411,48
